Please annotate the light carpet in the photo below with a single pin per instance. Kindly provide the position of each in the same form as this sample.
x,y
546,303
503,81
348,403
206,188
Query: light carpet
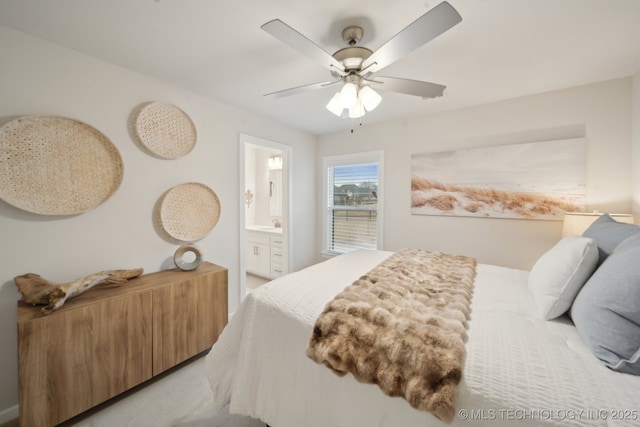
x,y
181,398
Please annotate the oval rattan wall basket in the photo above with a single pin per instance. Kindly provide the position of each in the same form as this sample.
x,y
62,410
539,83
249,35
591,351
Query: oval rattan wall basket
x,y
53,165
188,212
165,130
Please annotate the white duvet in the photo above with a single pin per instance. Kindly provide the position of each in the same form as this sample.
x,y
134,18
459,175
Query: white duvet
x,y
519,370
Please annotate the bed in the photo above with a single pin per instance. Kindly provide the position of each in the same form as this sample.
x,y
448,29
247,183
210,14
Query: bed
x,y
519,368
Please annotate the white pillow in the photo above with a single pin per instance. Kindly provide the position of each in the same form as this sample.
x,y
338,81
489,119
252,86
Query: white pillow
x,y
559,274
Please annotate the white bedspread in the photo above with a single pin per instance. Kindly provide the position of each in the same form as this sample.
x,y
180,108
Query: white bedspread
x,y
520,370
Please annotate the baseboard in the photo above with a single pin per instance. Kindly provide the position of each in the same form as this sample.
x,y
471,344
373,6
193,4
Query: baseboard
x,y
9,414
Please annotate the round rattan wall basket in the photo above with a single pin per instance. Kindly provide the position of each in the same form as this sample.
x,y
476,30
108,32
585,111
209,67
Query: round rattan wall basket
x,y
53,165
165,130
188,212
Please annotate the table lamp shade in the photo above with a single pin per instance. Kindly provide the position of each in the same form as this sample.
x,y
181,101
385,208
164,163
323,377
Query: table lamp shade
x,y
575,223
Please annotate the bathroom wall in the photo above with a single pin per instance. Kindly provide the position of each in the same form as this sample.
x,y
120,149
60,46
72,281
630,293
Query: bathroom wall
x,y
257,180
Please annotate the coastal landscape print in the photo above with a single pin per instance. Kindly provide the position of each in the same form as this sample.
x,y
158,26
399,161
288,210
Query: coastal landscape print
x,y
539,180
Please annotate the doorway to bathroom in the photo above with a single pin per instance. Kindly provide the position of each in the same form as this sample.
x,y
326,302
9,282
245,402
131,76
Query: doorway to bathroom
x,y
265,220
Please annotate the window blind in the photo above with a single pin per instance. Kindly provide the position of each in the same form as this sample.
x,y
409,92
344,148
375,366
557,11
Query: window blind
x,y
352,207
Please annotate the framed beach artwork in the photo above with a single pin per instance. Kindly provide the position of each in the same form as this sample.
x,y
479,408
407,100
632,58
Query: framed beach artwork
x,y
539,180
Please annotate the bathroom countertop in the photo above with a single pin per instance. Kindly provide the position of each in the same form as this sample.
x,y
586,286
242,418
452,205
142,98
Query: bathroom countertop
x,y
265,228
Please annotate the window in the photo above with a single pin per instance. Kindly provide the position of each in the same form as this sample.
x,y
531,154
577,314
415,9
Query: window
x,y
353,208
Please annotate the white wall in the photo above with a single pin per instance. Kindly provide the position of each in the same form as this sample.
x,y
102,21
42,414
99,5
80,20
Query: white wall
x,y
635,114
600,112
40,78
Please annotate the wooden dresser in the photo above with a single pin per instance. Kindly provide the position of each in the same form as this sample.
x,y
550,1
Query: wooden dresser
x,y
108,340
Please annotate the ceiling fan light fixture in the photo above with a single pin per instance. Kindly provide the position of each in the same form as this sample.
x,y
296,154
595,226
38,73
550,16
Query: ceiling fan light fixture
x,y
348,95
335,106
370,98
357,110
366,99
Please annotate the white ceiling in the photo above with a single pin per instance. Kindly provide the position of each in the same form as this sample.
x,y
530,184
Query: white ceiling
x,y
502,48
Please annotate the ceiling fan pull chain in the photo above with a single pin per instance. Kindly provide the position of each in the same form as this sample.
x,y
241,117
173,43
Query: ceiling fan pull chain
x,y
359,124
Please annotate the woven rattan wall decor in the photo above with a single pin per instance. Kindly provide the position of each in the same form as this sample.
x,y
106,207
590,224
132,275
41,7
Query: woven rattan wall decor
x,y
165,130
188,212
53,165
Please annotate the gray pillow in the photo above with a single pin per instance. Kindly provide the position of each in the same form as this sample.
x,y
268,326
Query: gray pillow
x,y
606,311
608,233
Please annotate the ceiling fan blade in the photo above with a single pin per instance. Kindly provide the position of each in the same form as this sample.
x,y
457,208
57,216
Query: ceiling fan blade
x,y
301,89
294,39
410,87
421,31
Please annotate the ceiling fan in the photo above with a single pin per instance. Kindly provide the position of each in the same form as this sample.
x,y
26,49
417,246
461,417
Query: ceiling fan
x,y
355,66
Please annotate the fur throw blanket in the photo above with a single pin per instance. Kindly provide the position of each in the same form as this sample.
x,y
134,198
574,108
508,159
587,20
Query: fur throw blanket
x,y
402,326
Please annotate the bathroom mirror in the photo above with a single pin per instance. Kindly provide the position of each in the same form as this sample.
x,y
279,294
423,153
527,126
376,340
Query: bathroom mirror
x,y
275,192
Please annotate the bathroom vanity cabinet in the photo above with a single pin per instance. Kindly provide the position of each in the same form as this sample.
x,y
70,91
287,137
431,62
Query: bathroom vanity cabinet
x,y
266,253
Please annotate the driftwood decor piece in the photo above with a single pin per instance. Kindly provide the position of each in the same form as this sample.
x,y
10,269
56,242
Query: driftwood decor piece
x,y
38,291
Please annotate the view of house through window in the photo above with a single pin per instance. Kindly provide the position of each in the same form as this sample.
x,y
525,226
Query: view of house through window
x,y
352,206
